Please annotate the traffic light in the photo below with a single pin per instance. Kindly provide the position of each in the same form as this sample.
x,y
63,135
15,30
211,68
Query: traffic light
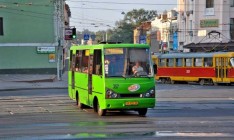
x,y
73,33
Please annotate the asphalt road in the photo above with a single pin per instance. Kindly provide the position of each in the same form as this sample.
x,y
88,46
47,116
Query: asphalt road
x,y
182,112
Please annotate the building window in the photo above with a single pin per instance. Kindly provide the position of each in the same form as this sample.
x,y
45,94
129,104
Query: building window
x,y
1,26
209,3
232,28
232,3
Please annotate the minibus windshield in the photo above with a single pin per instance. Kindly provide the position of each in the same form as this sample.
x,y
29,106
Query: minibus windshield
x,y
127,62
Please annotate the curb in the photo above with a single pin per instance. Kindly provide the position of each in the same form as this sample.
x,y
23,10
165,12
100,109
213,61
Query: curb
x,y
52,79
15,89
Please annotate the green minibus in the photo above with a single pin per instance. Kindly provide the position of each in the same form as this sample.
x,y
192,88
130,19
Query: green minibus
x,y
112,77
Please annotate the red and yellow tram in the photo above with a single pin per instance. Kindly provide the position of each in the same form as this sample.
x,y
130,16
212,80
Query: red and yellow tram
x,y
204,68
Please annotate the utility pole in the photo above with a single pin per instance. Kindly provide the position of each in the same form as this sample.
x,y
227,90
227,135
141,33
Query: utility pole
x,y
58,32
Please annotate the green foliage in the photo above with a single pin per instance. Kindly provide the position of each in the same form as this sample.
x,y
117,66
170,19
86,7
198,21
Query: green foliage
x,y
123,32
136,17
124,28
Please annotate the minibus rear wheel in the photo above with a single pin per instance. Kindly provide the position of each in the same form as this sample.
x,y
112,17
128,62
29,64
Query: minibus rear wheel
x,y
78,103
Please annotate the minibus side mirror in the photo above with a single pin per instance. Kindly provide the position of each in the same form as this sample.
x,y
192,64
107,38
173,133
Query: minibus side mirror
x,y
155,68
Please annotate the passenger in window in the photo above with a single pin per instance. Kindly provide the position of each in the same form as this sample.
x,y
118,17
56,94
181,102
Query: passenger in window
x,y
85,69
208,64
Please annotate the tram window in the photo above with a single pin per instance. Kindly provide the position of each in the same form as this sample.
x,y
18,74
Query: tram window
x,y
170,62
162,62
208,62
179,62
232,62
188,62
198,62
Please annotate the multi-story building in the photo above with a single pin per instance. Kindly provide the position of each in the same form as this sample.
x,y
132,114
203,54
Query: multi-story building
x,y
165,26
206,25
31,36
144,34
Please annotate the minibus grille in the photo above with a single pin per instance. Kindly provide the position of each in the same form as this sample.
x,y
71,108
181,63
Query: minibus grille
x,y
130,95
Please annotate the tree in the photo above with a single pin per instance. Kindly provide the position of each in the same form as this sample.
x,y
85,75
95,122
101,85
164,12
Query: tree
x,y
124,28
136,17
123,32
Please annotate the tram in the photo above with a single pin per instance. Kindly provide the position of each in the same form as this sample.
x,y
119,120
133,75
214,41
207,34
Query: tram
x,y
204,68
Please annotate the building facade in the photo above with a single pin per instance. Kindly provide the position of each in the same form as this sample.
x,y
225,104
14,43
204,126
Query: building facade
x,y
165,26
206,25
31,36
145,34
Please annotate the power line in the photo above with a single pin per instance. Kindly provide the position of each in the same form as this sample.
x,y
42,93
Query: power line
x,y
122,3
108,9
128,3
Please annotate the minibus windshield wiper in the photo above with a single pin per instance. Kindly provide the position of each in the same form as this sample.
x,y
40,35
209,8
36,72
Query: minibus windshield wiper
x,y
115,76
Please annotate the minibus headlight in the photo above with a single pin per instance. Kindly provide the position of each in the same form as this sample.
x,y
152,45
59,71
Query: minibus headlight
x,y
111,94
147,95
114,95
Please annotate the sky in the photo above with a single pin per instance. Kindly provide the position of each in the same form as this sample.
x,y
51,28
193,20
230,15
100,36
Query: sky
x,y
97,15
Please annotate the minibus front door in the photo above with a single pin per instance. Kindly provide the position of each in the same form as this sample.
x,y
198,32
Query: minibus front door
x,y
90,67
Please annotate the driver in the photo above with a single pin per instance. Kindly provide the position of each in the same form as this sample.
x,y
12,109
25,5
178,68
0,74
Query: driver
x,y
137,68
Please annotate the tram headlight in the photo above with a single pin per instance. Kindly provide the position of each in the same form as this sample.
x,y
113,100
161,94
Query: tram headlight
x,y
111,94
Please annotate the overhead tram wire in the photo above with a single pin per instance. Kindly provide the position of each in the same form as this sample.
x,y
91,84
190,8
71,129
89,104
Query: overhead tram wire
x,y
87,19
120,10
110,9
128,3
123,3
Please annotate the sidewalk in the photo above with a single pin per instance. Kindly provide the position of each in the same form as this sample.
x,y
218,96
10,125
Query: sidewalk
x,y
29,81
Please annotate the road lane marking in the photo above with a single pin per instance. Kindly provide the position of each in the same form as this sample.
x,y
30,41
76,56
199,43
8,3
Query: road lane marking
x,y
191,134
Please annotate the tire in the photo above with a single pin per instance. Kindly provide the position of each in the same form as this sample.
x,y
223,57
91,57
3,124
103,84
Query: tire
x,y
142,112
163,80
77,100
101,112
78,103
202,82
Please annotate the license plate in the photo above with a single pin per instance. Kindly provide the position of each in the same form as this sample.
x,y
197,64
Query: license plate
x,y
131,103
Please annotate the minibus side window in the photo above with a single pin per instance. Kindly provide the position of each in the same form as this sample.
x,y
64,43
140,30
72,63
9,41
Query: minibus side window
x,y
97,62
84,63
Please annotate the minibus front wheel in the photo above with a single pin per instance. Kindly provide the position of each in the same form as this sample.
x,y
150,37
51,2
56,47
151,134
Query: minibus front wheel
x,y
142,112
101,112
